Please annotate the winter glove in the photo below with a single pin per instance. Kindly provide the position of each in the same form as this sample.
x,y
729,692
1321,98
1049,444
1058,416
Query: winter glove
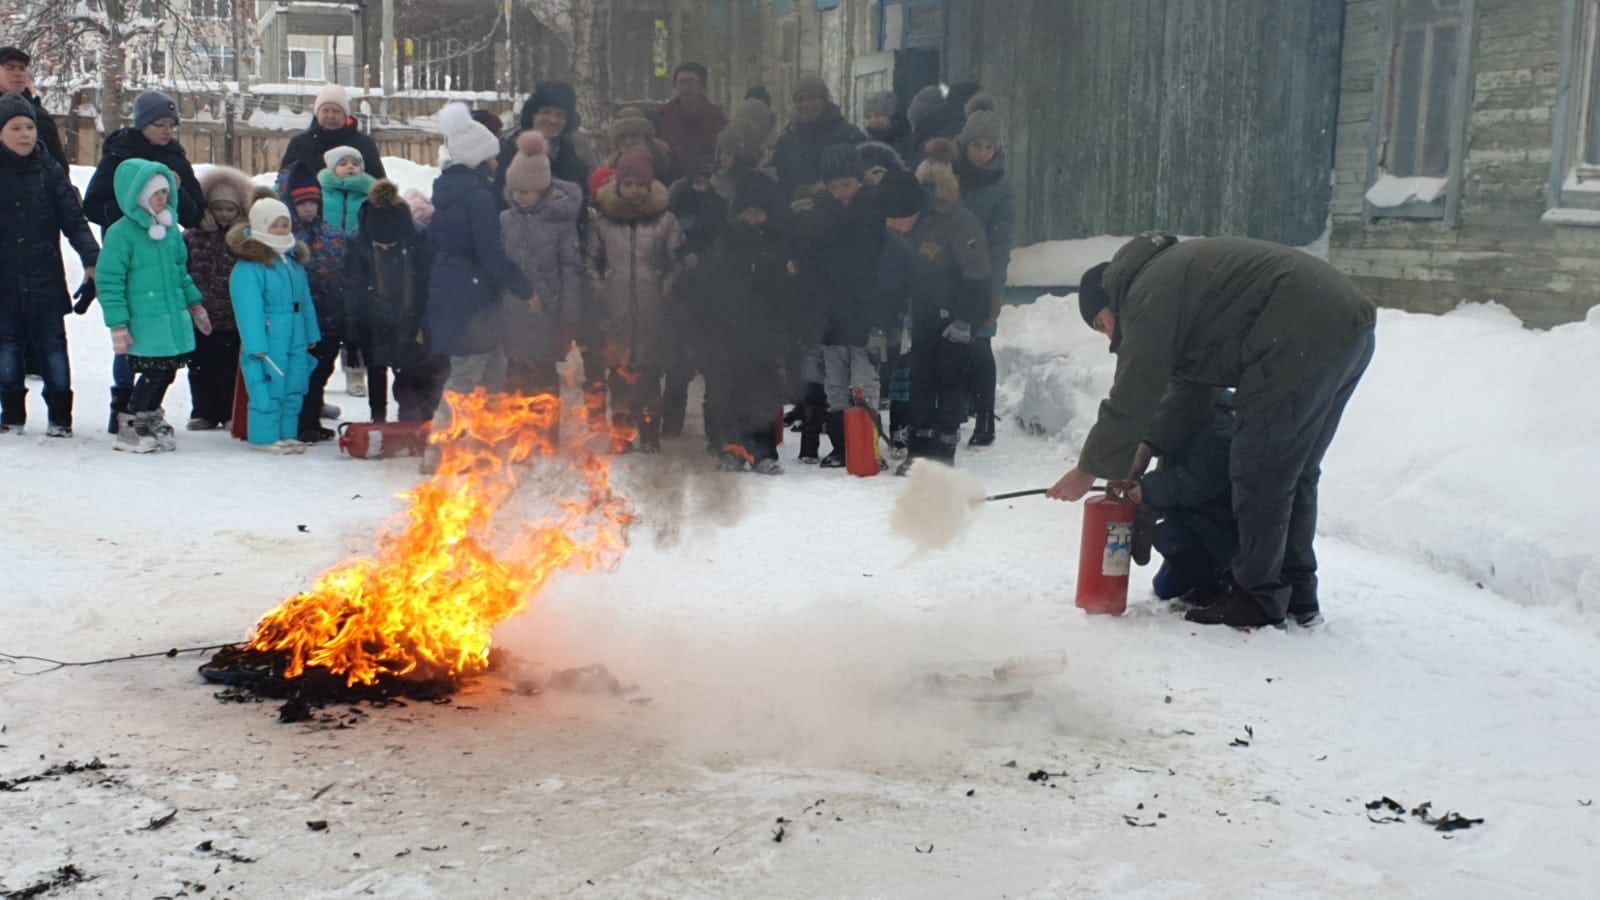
x,y
1144,534
202,322
878,345
121,341
85,295
958,332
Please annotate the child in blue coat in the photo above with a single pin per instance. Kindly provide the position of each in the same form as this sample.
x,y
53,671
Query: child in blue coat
x,y
277,325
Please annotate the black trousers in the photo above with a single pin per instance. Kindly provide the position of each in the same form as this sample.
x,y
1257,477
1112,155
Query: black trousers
x,y
983,378
150,388
326,353
939,370
212,371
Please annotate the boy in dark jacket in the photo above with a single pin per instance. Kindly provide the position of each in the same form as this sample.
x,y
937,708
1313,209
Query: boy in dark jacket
x,y
940,266
215,366
1191,492
838,241
386,272
39,207
740,285
325,269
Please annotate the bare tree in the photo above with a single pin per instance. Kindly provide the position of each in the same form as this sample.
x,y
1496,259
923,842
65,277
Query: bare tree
x,y
581,25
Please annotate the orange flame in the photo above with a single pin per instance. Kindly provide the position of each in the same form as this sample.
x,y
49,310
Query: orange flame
x,y
426,603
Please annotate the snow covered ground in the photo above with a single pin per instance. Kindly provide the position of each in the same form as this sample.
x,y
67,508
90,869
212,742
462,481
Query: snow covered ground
x,y
778,632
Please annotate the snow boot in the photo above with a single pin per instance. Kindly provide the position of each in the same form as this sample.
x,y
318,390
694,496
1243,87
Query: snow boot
x,y
835,428
1236,608
166,438
119,405
767,467
133,434
983,432
316,435
355,382
13,411
731,462
811,434
59,403
199,424
1305,611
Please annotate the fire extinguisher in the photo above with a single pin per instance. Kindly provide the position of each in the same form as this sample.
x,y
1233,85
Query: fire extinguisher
x,y
1105,554
861,430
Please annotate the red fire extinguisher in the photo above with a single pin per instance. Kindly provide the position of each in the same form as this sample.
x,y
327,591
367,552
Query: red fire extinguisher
x,y
1105,554
861,457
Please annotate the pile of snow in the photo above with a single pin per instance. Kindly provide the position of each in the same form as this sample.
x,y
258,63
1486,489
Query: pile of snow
x,y
1469,447
1391,190
1060,262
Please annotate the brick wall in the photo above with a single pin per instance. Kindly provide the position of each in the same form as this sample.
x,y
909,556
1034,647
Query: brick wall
x,y
1546,274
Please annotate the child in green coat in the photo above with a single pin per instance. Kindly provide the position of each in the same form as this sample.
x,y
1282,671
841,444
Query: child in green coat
x,y
150,302
345,185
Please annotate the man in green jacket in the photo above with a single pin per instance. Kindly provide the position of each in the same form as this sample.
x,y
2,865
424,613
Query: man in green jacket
x,y
1292,334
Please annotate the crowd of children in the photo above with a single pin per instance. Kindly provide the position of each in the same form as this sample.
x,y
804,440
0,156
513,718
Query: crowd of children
x,y
819,269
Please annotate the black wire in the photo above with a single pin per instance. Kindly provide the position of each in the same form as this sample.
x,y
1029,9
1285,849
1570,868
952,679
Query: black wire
x,y
59,664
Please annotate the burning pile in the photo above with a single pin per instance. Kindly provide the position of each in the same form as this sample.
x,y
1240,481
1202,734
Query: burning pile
x,y
418,616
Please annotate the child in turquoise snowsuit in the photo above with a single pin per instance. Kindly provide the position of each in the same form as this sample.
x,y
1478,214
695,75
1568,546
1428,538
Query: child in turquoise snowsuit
x,y
277,325
345,185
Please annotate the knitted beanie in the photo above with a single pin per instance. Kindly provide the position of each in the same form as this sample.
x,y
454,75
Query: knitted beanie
x,y
302,185
983,122
924,105
1092,296
630,121
883,103
636,166
875,155
14,105
900,195
332,157
842,161
530,168
151,107
812,87
467,142
334,94
263,213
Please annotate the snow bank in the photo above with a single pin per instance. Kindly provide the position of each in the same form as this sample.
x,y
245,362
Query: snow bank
x,y
1470,446
1060,262
1390,190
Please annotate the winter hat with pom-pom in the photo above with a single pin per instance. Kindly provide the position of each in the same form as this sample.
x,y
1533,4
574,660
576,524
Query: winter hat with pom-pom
x,y
984,124
421,207
636,166
334,94
468,142
386,218
924,105
938,172
332,157
530,168
263,213
883,103
160,221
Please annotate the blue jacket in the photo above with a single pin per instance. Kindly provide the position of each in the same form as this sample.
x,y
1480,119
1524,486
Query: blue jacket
x,y
470,267
1193,487
37,207
276,315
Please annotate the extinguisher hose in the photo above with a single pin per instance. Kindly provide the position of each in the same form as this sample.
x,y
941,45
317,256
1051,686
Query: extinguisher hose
x,y
1097,489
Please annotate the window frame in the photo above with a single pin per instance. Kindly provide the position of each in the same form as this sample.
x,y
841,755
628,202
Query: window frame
x,y
322,56
1580,57
1446,208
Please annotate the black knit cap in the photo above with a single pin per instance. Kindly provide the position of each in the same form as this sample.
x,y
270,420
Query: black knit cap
x,y
1092,296
900,195
13,105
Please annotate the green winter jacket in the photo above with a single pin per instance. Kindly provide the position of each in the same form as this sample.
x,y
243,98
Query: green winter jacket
x,y
342,198
1201,315
144,283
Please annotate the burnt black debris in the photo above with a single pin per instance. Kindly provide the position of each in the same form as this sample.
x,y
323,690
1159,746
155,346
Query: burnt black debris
x,y
1393,811
65,876
250,675
56,771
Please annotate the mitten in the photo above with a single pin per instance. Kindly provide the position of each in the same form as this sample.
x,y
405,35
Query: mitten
x,y
85,295
1144,534
121,340
878,345
958,332
202,322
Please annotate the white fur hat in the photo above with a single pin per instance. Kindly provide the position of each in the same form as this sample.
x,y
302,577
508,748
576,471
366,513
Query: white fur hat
x,y
469,143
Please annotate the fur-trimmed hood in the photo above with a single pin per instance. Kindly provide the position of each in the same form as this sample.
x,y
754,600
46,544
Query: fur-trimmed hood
x,y
611,205
247,248
232,178
937,171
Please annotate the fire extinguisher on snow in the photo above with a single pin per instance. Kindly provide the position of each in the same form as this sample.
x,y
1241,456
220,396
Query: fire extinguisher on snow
x,y
861,429
1105,554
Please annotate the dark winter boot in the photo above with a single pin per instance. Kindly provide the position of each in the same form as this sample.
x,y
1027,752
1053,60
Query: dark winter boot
x,y
119,405
59,403
1305,611
650,432
983,432
835,427
13,411
811,434
1236,609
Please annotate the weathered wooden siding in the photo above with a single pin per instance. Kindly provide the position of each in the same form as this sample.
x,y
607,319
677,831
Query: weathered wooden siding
x,y
1201,116
1500,252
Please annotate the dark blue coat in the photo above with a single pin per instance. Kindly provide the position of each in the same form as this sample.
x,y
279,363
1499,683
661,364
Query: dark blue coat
x,y
1192,486
798,156
37,207
470,267
100,200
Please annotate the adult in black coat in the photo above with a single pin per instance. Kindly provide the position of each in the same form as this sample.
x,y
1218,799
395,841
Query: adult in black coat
x,y
386,271
553,109
332,126
14,77
152,137
37,207
818,124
